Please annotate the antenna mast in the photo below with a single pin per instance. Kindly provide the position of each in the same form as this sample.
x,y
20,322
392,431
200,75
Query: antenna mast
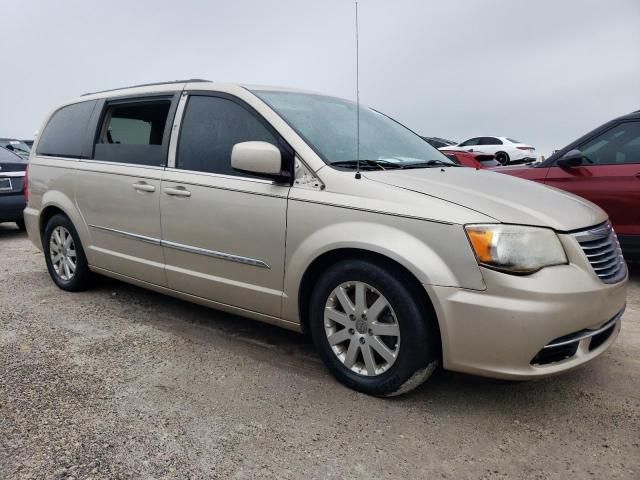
x,y
357,99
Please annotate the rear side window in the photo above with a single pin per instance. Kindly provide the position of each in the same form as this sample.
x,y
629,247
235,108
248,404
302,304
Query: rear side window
x,y
490,141
211,126
66,133
133,132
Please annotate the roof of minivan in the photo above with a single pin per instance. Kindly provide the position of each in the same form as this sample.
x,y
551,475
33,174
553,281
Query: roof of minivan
x,y
171,86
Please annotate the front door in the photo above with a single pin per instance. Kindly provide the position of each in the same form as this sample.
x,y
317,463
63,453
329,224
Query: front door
x,y
609,175
223,232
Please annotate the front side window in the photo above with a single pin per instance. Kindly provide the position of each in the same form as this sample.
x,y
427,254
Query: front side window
x,y
66,134
329,126
133,132
210,127
618,145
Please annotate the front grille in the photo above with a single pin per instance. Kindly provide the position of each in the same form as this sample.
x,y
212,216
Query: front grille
x,y
600,245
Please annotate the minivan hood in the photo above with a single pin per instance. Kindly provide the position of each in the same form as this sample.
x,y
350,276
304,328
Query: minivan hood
x,y
505,198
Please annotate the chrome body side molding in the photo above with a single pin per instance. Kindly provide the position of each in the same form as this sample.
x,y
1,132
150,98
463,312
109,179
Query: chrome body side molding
x,y
186,248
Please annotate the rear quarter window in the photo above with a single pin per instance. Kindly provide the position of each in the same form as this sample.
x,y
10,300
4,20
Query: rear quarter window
x,y
66,134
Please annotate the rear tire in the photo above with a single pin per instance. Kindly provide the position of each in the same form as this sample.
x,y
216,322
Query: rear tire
x,y
63,252
503,158
390,352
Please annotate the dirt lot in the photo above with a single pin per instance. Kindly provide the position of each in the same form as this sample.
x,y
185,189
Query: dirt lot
x,y
119,382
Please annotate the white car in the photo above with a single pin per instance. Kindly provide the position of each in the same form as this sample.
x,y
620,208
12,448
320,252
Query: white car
x,y
506,150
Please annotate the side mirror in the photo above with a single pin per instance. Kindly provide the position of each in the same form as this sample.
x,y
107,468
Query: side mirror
x,y
573,158
260,158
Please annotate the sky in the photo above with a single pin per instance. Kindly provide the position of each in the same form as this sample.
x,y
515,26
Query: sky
x,y
544,72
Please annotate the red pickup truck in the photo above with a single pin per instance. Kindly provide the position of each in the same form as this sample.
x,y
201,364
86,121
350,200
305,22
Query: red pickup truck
x,y
602,166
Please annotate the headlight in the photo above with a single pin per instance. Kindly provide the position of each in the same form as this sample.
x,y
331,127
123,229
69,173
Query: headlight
x,y
514,248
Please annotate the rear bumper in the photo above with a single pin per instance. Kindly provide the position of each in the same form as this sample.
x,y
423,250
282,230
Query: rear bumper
x,y
512,329
32,222
11,207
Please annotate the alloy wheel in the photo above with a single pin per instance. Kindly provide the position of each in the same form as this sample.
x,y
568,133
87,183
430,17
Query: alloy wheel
x,y
62,252
362,328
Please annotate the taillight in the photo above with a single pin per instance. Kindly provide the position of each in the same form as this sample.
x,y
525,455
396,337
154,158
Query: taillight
x,y
525,148
26,184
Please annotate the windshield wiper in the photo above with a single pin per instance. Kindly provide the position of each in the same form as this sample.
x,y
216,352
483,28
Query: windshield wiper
x,y
368,164
429,164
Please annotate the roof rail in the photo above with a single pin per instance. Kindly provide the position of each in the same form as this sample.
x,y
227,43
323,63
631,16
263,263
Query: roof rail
x,y
147,85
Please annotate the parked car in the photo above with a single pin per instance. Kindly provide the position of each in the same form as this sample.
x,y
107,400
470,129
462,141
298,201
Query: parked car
x,y
506,150
438,142
602,166
12,201
472,159
16,146
252,200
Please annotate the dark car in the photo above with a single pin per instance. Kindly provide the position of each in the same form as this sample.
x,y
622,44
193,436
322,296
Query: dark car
x,y
16,146
602,166
437,142
12,183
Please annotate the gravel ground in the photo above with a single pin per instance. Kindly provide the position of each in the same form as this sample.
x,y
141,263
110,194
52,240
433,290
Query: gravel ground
x,y
119,382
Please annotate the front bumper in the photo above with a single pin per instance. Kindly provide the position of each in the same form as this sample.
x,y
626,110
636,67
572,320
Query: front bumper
x,y
502,331
11,207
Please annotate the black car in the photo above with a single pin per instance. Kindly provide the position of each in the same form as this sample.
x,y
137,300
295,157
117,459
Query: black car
x,y
12,183
16,146
437,142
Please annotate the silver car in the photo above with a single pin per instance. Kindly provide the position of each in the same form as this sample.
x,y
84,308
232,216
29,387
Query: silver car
x,y
269,204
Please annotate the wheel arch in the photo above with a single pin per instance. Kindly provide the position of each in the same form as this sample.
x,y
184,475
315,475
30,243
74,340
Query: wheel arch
x,y
331,257
55,201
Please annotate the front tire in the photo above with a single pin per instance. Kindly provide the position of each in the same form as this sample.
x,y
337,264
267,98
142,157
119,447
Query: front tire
x,y
63,252
372,330
503,158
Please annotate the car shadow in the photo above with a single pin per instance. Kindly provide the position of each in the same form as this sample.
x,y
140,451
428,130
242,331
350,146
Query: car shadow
x,y
286,349
10,230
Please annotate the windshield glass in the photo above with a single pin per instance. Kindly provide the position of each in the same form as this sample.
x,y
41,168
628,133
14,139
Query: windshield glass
x,y
328,124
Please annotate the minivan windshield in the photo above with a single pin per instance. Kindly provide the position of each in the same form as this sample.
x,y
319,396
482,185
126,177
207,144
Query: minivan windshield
x,y
328,124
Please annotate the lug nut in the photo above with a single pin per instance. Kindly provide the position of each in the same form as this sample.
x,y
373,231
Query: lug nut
x,y
351,331
370,332
352,316
361,339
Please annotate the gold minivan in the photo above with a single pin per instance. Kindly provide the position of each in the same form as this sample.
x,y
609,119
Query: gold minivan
x,y
278,205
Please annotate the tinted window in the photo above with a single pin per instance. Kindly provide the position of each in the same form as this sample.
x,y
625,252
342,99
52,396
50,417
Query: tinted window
x,y
470,142
133,133
452,157
514,141
211,126
619,145
435,142
66,132
490,141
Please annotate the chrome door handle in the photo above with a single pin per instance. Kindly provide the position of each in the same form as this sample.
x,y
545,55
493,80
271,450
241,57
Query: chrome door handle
x,y
177,192
144,187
